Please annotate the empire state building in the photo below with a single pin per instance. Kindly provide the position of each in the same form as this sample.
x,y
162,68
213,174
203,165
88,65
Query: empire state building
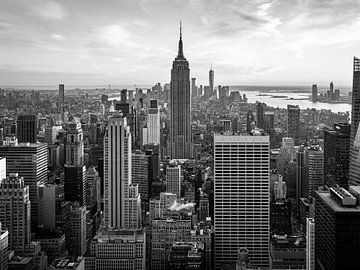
x,y
180,126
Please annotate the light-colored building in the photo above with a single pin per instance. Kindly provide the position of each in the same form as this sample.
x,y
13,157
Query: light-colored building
x,y
2,168
117,249
134,207
4,248
241,197
313,170
158,208
117,172
165,232
153,123
77,230
310,244
140,173
15,211
173,178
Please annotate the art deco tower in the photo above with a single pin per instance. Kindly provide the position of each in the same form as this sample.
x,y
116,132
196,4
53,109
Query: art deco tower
x,y
180,126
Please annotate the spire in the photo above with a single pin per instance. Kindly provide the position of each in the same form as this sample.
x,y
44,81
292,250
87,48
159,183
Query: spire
x,y
180,51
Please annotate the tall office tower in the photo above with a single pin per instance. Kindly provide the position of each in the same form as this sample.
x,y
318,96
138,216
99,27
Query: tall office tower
x,y
250,119
93,196
153,124
336,155
211,80
4,248
293,122
30,161
354,173
140,176
77,241
314,93
2,168
200,91
260,115
117,172
300,160
331,90
117,249
173,178
165,232
15,211
48,193
75,169
26,128
337,229
241,186
123,96
310,244
204,207
193,88
61,100
313,170
180,123
134,207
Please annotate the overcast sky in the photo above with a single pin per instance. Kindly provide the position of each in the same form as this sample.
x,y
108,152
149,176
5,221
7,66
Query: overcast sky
x,y
85,42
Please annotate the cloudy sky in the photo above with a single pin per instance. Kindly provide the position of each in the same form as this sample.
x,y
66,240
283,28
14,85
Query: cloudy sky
x,y
259,42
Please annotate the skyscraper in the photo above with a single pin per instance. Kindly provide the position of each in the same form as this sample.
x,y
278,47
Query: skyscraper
x,y
299,175
4,248
15,211
293,122
313,170
77,243
30,162
336,155
75,169
314,93
61,100
173,178
211,81
260,115
140,176
354,173
310,244
241,197
193,88
337,229
117,172
153,124
180,124
26,128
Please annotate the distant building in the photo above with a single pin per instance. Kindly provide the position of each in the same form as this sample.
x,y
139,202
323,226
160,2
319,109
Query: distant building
x,y
337,229
300,160
193,88
140,175
314,93
153,123
211,80
293,122
159,207
117,249
77,241
260,115
26,128
336,155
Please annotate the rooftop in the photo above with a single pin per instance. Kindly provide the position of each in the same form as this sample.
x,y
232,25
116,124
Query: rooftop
x,y
119,236
329,200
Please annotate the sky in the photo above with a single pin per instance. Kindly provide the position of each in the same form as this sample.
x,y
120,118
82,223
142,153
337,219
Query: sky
x,y
127,42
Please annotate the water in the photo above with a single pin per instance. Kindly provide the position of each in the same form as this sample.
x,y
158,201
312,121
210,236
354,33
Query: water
x,y
282,102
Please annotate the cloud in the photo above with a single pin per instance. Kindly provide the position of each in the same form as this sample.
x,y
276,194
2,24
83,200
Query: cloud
x,y
50,10
58,37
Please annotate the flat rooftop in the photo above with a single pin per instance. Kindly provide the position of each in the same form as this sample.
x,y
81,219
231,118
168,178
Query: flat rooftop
x,y
326,197
119,236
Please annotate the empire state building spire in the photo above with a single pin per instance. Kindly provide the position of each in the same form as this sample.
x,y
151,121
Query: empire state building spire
x,y
180,51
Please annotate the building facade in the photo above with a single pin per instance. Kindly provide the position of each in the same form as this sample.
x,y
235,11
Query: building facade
x,y
242,184
26,128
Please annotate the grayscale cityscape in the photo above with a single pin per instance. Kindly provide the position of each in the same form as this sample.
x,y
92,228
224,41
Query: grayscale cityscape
x,y
180,135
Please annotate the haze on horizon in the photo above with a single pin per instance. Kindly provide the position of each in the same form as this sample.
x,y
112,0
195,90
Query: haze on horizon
x,y
255,42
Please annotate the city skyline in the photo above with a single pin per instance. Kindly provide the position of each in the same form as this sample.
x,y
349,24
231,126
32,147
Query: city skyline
x,y
257,42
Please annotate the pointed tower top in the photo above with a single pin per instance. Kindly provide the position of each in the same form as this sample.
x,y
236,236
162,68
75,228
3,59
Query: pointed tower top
x,y
180,51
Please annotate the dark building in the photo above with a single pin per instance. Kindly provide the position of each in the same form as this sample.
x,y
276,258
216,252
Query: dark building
x,y
180,129
314,93
300,160
293,122
186,256
249,120
354,172
337,229
260,115
287,252
61,100
336,155
280,217
75,184
26,128
193,87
